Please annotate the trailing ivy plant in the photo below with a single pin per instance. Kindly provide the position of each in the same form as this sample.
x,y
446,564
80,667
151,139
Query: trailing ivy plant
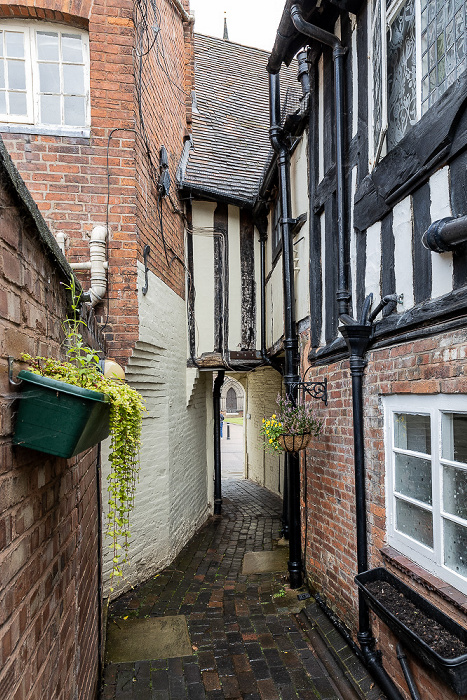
x,y
126,411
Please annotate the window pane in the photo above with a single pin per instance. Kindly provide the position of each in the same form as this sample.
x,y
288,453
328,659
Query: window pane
x,y
401,62
455,491
454,430
14,44
73,80
47,46
455,547
2,103
412,432
16,75
75,114
18,103
49,74
414,522
2,74
413,477
1,43
50,109
72,48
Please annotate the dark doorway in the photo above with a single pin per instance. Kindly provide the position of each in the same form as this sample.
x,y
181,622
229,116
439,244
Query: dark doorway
x,y
231,401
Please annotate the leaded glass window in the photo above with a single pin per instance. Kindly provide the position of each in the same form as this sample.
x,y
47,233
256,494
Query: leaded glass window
x,y
419,51
401,73
443,42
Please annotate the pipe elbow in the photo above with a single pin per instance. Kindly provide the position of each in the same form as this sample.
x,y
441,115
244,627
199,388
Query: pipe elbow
x,y
443,235
316,33
275,137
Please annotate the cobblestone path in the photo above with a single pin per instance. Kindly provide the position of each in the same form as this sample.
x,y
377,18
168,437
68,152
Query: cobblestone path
x,y
246,644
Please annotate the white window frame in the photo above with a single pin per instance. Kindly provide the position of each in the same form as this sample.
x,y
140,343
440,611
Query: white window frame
x,y
31,122
433,405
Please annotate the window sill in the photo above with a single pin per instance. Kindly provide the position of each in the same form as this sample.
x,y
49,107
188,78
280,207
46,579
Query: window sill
x,y
73,132
423,577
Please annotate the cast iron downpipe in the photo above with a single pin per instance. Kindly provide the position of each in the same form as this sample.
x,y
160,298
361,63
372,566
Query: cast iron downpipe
x,y
216,404
281,147
338,53
262,241
357,336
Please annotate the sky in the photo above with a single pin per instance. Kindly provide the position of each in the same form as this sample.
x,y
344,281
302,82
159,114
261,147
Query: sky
x,y
250,22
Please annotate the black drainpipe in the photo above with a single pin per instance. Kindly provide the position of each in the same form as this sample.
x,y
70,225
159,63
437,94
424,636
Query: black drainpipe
x,y
357,335
291,377
216,405
338,53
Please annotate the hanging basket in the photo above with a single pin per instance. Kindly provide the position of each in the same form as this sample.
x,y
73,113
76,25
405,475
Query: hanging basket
x,y
294,443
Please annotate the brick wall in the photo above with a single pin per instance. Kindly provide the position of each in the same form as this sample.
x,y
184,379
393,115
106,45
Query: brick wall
x,y
48,506
425,366
72,182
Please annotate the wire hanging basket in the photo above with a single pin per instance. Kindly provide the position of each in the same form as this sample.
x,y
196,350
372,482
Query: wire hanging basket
x,y
294,442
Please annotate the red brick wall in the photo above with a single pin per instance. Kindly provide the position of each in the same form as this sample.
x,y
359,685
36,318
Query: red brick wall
x,y
48,506
68,177
426,366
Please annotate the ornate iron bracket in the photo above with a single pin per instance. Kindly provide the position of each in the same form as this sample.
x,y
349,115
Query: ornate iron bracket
x,y
317,390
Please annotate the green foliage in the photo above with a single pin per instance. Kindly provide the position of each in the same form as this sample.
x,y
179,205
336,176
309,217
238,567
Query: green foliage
x,y
290,419
126,411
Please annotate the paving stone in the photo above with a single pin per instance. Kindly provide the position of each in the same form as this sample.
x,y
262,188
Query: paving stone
x,y
245,644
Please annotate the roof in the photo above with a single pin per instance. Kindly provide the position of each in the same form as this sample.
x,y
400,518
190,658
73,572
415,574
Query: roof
x,y
231,119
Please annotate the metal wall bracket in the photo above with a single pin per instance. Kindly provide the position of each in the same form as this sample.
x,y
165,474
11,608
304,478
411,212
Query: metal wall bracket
x,y
146,252
13,382
317,390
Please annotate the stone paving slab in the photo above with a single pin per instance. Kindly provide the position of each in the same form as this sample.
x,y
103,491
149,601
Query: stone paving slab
x,y
144,639
245,643
265,562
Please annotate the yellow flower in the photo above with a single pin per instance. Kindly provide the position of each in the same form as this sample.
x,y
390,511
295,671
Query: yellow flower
x,y
273,415
270,440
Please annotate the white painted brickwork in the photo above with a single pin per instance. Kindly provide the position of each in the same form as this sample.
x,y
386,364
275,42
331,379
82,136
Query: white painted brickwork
x,y
171,499
264,468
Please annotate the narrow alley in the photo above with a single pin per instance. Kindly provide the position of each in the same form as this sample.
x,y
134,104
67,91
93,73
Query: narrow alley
x,y
246,639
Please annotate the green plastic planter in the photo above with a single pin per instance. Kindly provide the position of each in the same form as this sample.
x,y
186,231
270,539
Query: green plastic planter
x,y
58,418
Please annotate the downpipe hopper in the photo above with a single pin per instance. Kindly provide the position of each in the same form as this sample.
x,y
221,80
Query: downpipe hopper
x,y
445,234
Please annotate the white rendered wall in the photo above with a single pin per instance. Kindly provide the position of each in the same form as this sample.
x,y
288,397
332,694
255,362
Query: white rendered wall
x,y
403,260
441,263
172,494
203,275
373,262
301,246
274,306
264,468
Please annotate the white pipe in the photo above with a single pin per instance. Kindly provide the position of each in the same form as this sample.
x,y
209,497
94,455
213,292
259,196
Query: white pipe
x,y
98,264
61,238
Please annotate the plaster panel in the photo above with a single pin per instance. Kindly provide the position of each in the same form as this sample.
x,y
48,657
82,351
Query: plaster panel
x,y
403,259
203,275
373,261
274,306
440,207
